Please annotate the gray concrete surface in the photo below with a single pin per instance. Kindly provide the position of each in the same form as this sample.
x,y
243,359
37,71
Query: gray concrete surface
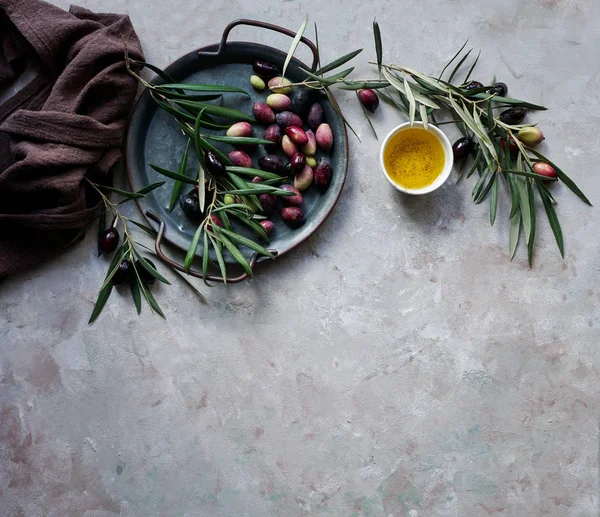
x,y
397,364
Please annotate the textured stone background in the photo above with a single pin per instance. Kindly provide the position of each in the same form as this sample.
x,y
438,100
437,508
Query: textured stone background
x,y
397,364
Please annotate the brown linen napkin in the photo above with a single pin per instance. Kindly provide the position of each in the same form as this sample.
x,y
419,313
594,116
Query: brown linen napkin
x,y
66,124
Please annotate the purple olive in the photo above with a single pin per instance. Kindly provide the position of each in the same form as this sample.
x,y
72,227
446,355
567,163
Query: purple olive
x,y
265,69
268,226
214,164
368,98
295,200
271,163
109,241
462,147
123,273
513,116
287,118
315,116
240,159
216,221
324,137
292,215
302,100
297,135
272,133
322,174
298,162
500,89
263,113
472,85
268,202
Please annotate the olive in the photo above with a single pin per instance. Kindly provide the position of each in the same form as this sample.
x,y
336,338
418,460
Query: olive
x,y
499,89
322,174
545,169
214,164
315,116
292,215
123,273
287,168
295,200
368,98
265,69
145,276
267,225
472,85
513,116
298,162
287,118
513,148
268,202
462,147
216,221
272,133
109,241
271,163
297,135
302,100
190,205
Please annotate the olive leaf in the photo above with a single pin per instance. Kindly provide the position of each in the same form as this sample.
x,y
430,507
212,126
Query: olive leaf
x,y
515,229
106,289
453,58
134,285
532,216
125,193
294,46
494,201
217,246
552,218
235,253
457,67
423,113
338,62
218,111
472,68
247,171
378,46
172,174
191,253
151,300
248,243
150,268
563,177
203,88
361,85
177,186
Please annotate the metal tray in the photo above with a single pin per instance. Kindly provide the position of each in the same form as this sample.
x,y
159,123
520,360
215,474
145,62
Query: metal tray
x,y
153,137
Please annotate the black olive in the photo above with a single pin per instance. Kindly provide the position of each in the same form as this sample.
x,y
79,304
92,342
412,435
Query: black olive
x,y
500,89
265,69
109,241
513,116
145,276
268,203
123,273
190,205
214,164
472,85
302,100
462,147
271,163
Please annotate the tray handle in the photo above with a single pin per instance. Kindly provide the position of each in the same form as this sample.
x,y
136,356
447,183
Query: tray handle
x,y
263,25
198,274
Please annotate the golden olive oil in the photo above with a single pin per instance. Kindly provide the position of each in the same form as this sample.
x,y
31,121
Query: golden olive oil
x,y
414,158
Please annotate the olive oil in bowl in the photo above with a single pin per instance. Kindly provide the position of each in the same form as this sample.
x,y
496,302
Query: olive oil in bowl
x,y
416,160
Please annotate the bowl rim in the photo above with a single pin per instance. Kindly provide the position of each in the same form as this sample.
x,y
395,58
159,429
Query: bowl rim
x,y
448,162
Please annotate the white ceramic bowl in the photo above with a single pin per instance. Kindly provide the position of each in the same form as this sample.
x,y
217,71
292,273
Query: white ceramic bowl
x,y
448,162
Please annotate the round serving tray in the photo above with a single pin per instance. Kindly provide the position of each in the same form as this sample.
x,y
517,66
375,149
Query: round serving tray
x,y
154,137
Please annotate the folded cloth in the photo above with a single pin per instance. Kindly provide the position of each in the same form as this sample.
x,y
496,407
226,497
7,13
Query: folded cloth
x,y
67,124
